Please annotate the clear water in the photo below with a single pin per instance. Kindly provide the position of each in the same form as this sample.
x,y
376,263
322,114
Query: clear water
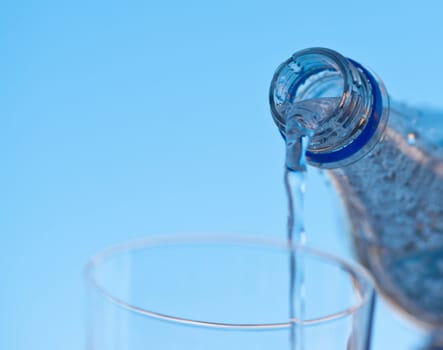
x,y
297,141
394,197
295,188
316,114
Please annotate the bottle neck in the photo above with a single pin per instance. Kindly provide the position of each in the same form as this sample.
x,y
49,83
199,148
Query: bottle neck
x,y
344,106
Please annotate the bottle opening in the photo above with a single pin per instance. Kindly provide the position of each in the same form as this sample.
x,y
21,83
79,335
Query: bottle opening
x,y
313,74
320,90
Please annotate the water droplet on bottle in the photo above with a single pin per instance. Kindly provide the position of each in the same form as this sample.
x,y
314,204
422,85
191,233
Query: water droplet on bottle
x,y
411,138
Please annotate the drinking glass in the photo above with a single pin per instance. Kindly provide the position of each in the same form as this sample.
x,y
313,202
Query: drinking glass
x,y
222,293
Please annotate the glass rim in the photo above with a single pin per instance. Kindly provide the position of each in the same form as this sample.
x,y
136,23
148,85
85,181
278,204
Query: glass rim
x,y
163,240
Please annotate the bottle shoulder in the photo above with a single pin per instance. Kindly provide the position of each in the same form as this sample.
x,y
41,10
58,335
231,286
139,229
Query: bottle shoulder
x,y
417,122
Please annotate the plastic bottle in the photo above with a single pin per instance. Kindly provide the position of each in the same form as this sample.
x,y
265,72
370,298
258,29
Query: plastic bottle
x,y
385,161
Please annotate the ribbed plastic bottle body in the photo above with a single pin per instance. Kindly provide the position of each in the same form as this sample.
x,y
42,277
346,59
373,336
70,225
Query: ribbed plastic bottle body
x,y
385,161
394,200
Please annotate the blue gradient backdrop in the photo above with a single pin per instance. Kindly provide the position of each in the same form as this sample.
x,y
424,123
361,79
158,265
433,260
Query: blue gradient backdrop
x,y
120,119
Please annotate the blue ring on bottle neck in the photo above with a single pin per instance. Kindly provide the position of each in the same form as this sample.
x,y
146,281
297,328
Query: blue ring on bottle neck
x,y
365,135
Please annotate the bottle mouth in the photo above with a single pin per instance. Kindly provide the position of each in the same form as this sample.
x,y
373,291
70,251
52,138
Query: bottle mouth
x,y
337,99
308,74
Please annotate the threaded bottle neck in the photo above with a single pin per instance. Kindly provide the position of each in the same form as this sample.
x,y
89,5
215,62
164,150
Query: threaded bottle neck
x,y
343,105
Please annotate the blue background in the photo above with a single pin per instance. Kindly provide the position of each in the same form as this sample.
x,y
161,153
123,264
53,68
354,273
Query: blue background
x,y
120,119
